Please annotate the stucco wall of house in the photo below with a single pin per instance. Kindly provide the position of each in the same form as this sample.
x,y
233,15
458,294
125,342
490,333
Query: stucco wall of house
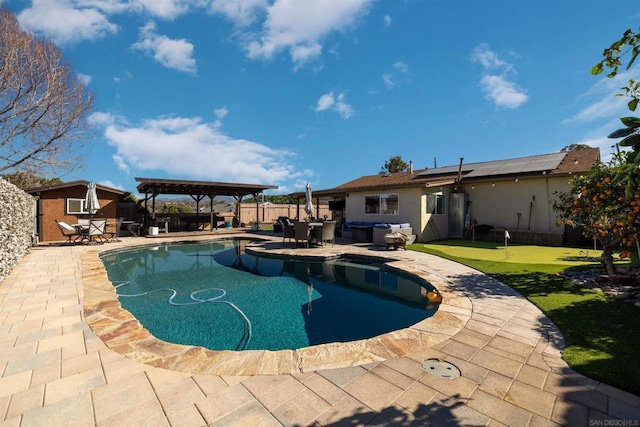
x,y
409,207
53,206
16,226
498,203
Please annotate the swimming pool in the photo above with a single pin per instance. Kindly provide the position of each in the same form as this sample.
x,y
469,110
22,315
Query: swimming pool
x,y
215,295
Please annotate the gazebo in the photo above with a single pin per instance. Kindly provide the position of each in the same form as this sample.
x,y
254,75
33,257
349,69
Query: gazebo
x,y
197,190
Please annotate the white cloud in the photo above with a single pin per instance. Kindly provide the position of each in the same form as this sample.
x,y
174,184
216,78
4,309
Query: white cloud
x,y
193,149
64,22
498,79
84,78
387,20
165,9
339,105
487,58
300,27
388,80
171,53
346,111
241,12
101,119
503,93
221,113
398,75
72,21
110,184
325,102
600,99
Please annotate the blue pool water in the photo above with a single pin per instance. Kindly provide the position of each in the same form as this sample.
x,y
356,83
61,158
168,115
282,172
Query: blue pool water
x,y
216,296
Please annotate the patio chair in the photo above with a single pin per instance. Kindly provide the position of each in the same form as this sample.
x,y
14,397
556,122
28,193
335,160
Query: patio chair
x,y
328,233
97,230
163,224
70,232
288,230
302,232
114,230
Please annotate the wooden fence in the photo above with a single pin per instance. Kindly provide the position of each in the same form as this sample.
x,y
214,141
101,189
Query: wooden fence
x,y
266,214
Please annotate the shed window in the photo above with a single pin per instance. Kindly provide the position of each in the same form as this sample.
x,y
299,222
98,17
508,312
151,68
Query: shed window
x,y
382,204
435,204
76,206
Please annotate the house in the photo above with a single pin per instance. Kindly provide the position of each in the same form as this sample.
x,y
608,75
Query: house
x,y
66,202
513,194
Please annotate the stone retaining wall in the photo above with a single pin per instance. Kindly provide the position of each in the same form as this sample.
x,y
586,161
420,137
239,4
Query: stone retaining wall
x,y
16,226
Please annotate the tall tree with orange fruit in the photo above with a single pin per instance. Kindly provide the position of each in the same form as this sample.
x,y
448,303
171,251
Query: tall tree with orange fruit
x,y
602,206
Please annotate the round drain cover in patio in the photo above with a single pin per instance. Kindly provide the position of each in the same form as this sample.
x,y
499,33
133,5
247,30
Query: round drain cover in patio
x,y
441,369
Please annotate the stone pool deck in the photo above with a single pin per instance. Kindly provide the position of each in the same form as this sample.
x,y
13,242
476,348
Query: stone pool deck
x,y
70,356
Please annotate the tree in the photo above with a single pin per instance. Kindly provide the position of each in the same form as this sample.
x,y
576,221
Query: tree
x,y
43,104
629,169
25,180
394,164
603,208
574,146
612,60
277,199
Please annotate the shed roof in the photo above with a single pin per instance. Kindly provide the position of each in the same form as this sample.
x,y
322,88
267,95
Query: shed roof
x,y
81,183
199,188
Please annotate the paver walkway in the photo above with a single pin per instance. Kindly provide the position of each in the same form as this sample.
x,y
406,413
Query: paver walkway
x,y
55,371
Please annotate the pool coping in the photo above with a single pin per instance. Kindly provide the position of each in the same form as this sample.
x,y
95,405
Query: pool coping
x,y
122,332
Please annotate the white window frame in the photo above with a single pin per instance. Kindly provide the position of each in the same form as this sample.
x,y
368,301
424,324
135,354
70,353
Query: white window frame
x,y
436,204
83,206
382,202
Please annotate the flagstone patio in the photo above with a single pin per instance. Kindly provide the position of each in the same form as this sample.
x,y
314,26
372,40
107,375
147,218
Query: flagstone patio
x,y
70,356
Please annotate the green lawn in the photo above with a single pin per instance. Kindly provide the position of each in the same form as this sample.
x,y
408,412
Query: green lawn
x,y
602,334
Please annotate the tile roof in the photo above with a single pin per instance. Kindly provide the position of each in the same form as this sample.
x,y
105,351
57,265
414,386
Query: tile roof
x,y
562,163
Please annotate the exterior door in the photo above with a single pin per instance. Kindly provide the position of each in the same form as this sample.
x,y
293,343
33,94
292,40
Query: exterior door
x,y
456,214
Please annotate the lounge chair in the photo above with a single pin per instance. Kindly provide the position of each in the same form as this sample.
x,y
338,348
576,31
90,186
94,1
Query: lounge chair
x,y
70,232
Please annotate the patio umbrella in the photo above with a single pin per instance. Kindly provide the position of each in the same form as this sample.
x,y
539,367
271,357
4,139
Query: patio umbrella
x,y
308,207
91,199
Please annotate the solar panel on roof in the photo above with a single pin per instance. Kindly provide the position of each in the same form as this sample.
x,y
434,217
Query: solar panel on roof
x,y
521,165
446,170
502,167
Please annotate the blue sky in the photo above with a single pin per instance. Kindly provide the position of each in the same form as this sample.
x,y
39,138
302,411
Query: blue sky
x,y
282,92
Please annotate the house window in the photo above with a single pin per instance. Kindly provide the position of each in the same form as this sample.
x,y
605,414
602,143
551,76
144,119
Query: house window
x,y
76,206
383,204
435,204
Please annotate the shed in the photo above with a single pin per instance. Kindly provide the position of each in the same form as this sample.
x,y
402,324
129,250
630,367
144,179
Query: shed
x,y
65,202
